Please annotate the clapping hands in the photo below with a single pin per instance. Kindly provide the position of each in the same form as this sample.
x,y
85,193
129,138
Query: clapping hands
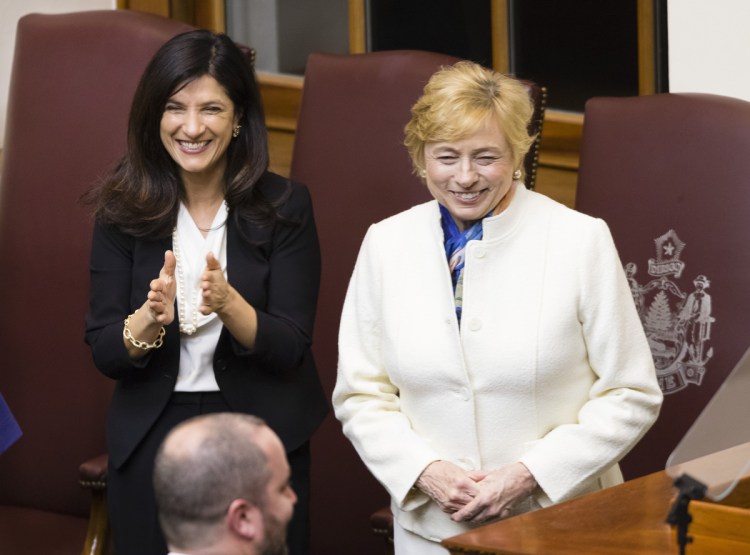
x,y
162,292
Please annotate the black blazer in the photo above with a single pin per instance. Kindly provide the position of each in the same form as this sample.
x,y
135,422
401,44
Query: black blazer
x,y
278,274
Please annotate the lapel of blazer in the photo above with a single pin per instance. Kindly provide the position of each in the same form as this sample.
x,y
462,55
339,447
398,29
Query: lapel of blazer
x,y
237,259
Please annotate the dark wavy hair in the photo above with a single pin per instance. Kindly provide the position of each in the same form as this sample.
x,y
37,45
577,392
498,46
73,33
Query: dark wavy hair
x,y
141,196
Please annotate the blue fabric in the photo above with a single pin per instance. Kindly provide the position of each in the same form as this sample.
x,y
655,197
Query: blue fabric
x,y
455,248
10,431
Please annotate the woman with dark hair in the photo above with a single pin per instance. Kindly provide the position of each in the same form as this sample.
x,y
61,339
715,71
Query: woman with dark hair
x,y
204,278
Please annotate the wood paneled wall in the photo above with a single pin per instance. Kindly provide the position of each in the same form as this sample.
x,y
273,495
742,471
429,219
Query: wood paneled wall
x,y
281,100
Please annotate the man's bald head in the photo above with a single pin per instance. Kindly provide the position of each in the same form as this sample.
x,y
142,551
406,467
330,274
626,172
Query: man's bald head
x,y
202,466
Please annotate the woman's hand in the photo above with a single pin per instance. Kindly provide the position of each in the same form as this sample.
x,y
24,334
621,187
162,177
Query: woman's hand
x,y
215,290
237,315
157,311
497,493
162,292
448,485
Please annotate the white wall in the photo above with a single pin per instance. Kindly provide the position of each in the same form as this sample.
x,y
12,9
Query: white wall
x,y
709,46
10,12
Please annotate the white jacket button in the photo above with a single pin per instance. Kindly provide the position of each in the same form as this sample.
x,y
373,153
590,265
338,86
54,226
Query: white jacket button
x,y
475,324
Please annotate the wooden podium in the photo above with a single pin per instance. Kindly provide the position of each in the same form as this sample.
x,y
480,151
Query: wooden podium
x,y
632,518
623,520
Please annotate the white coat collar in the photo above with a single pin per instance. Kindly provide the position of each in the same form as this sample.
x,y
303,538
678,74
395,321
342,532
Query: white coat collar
x,y
502,225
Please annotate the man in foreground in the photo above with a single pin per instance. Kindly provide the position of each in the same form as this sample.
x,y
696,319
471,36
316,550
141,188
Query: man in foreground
x,y
222,487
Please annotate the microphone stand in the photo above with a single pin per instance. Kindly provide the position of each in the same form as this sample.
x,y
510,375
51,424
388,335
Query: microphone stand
x,y
689,489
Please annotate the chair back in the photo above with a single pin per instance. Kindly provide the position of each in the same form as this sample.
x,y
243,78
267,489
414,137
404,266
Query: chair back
x,y
669,174
72,82
349,151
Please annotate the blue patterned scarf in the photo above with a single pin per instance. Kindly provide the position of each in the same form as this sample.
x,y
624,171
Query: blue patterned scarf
x,y
455,247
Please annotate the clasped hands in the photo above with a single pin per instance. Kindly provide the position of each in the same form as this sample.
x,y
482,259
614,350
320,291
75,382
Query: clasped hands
x,y
473,496
215,290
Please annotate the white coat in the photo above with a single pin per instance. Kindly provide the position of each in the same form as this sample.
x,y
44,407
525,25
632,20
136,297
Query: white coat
x,y
550,365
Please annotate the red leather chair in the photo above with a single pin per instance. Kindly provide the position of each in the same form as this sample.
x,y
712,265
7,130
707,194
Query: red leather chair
x,y
349,150
72,82
669,174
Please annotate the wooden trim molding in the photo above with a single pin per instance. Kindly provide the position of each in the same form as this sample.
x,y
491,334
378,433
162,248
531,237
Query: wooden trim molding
x,y
158,7
357,27
211,14
281,95
646,48
208,14
500,36
561,139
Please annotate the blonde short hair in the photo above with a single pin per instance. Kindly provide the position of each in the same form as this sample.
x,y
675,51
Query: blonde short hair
x,y
458,100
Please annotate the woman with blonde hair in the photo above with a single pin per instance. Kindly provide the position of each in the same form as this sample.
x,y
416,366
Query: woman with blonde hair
x,y
491,359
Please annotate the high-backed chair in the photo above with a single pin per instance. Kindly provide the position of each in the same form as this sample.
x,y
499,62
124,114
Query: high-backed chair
x,y
669,173
72,82
349,150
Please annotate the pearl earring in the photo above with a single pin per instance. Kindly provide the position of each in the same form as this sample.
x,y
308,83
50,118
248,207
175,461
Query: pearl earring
x,y
517,174
236,131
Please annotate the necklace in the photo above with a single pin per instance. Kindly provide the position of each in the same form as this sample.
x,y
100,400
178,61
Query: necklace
x,y
188,328
214,228
188,290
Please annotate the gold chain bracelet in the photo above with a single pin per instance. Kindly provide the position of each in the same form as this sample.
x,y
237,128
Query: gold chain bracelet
x,y
142,344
